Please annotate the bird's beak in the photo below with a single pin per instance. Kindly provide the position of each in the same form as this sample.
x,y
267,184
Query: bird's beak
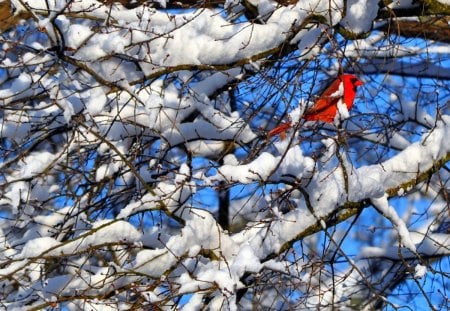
x,y
359,83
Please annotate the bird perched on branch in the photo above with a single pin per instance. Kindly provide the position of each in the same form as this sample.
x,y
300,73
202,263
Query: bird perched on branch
x,y
325,106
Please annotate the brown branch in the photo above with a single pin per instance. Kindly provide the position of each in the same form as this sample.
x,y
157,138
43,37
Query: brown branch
x,y
428,28
350,209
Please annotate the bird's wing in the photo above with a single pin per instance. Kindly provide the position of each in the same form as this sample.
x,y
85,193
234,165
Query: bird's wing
x,y
327,99
334,90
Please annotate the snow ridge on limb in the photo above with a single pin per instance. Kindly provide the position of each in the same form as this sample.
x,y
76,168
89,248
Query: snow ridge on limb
x,y
327,191
221,43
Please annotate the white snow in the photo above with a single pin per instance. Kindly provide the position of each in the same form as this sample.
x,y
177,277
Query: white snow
x,y
382,205
38,246
77,35
360,15
343,112
130,80
106,170
446,2
419,271
95,100
146,202
435,244
18,85
246,261
427,245
35,164
102,232
200,37
307,42
102,45
259,169
15,126
290,164
326,190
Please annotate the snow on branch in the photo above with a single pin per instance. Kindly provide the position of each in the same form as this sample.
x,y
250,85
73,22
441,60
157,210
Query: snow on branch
x,y
202,39
326,191
128,135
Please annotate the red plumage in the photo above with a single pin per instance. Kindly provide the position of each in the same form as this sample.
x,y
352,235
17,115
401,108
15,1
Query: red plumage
x,y
325,107
280,129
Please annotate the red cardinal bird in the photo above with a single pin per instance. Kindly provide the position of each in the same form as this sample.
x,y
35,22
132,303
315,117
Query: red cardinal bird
x,y
325,107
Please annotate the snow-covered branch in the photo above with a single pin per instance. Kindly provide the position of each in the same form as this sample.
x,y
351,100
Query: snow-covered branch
x,y
221,157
